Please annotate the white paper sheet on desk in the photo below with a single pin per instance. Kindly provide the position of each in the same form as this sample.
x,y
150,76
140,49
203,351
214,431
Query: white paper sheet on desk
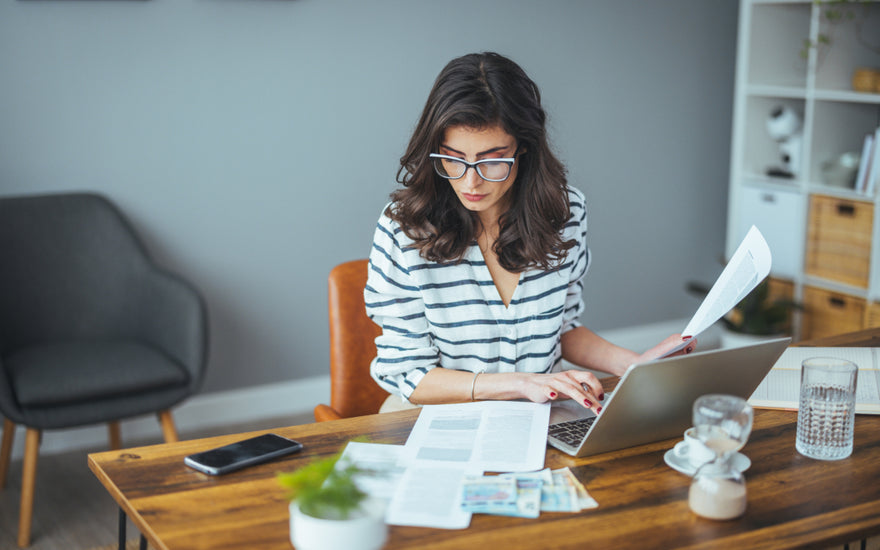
x,y
382,464
493,436
429,495
449,442
412,494
748,266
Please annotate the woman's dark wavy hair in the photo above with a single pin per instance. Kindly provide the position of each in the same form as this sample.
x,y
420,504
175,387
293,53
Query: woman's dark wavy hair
x,y
478,91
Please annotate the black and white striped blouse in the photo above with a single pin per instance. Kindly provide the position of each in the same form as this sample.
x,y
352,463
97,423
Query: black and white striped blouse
x,y
451,314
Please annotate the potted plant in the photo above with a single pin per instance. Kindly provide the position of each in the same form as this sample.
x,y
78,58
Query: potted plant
x,y
759,315
834,13
329,511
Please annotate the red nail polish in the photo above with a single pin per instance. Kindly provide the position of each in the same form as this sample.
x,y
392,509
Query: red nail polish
x,y
599,410
588,403
602,397
686,337
553,395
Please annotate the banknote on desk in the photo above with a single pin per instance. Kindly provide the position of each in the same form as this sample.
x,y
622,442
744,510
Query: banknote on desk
x,y
526,494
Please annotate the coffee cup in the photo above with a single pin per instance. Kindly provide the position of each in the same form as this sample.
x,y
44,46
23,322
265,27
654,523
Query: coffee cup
x,y
692,451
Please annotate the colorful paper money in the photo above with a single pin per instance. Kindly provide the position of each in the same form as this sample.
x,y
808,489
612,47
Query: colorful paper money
x,y
489,495
526,494
585,501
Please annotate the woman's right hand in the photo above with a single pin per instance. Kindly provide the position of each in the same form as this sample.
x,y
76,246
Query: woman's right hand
x,y
442,385
579,385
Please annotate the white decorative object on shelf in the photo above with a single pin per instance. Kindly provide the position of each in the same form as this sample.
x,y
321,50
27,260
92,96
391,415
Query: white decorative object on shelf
x,y
785,127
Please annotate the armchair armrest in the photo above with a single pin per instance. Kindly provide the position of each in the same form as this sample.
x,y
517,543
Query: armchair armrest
x,y
172,315
323,413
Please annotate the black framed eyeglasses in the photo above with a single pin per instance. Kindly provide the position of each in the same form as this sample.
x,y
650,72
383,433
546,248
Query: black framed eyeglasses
x,y
453,168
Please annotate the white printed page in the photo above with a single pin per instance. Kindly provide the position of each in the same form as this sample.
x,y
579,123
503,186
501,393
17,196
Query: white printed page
x,y
450,442
495,436
749,266
418,495
382,464
429,495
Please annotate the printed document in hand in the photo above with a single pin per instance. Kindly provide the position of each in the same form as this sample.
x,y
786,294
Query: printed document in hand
x,y
748,266
780,389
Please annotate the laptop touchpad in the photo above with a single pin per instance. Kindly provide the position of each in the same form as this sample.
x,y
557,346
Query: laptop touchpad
x,y
564,411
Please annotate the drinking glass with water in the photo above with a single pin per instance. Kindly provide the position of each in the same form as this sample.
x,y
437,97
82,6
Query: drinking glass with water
x,y
826,413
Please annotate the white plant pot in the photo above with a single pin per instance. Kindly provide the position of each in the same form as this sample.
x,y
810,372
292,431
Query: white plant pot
x,y
366,530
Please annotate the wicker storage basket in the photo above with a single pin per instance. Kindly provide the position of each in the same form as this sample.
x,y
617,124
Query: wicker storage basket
x,y
827,313
839,240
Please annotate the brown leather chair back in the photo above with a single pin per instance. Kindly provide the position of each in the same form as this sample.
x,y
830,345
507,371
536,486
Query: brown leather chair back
x,y
352,345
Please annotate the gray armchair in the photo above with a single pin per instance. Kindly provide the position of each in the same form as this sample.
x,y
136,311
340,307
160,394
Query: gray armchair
x,y
91,330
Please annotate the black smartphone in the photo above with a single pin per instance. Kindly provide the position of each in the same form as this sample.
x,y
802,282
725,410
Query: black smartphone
x,y
241,454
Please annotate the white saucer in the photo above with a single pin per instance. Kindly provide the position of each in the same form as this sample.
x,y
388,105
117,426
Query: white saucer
x,y
740,463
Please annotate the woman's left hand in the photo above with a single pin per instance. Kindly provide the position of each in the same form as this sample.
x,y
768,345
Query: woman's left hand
x,y
667,345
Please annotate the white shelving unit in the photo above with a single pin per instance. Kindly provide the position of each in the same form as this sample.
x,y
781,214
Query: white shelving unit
x,y
771,72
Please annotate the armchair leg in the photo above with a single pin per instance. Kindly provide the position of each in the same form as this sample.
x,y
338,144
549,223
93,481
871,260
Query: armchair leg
x,y
169,431
6,449
114,434
28,483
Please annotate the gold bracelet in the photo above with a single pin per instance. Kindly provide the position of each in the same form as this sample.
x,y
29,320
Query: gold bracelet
x,y
474,384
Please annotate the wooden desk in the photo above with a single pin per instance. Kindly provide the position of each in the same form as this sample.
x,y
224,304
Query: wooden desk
x,y
793,501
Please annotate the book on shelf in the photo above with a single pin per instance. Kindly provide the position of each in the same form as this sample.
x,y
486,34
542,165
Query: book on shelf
x,y
864,163
873,168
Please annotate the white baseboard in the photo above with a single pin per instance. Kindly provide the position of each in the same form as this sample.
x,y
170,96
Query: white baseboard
x,y
296,397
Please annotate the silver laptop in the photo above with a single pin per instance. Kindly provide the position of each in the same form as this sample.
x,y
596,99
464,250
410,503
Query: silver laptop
x,y
653,400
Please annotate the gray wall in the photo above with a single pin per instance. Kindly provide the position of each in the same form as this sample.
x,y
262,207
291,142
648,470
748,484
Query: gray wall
x,y
254,142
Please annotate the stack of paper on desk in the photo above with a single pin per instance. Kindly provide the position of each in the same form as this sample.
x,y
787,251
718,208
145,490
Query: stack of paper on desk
x,y
781,387
422,480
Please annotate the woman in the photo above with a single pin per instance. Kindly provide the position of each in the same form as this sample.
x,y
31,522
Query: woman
x,y
477,266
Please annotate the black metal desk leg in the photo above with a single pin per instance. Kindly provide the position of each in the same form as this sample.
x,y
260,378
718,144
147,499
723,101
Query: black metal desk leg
x,y
122,521
122,526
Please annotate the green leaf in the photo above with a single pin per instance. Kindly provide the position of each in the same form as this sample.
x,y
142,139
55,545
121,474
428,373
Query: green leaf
x,y
324,489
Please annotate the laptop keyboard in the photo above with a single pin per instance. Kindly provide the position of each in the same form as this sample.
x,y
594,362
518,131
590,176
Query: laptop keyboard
x,y
571,432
